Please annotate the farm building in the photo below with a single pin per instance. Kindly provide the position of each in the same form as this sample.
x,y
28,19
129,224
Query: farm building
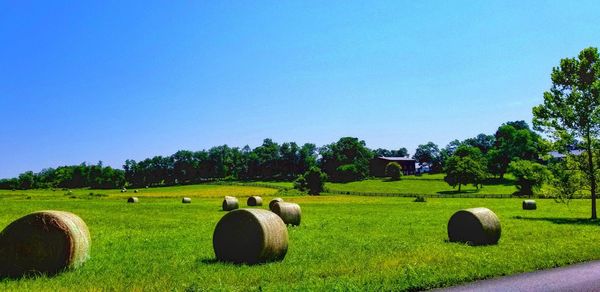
x,y
378,165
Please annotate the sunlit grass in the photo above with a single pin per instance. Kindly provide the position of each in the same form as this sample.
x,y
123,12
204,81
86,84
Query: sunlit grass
x,y
344,243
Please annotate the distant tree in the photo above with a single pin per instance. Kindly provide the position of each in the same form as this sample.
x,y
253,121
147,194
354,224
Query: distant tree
x,y
393,170
268,157
514,141
482,141
571,109
380,152
9,183
346,160
289,160
466,166
347,173
308,157
26,180
530,176
429,155
313,181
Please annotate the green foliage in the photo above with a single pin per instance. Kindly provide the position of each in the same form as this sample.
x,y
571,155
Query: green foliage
x,y
571,108
346,160
429,155
313,181
530,176
420,199
393,170
402,152
347,173
466,166
269,161
514,141
75,176
567,180
482,141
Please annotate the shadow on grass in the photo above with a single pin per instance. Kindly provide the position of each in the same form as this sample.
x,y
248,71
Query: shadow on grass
x,y
573,221
207,261
457,192
214,261
499,181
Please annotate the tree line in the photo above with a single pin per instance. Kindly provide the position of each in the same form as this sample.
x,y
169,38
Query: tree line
x,y
345,160
75,176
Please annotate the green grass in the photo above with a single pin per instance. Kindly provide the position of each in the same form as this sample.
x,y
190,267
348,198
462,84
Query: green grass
x,y
193,191
344,243
421,185
426,184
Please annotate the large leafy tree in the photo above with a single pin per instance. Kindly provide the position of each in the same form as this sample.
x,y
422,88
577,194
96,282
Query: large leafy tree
x,y
466,166
571,108
530,176
429,154
346,160
482,141
514,141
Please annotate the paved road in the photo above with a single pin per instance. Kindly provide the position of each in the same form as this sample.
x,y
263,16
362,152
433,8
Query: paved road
x,y
579,277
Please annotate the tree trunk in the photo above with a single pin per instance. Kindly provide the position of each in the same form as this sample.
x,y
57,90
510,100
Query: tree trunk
x,y
459,187
592,173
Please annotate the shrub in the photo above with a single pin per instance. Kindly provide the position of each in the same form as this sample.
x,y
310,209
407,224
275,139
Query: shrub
x,y
393,170
348,173
313,181
420,199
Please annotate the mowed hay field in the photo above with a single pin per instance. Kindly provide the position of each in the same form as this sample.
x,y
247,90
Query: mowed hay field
x,y
344,242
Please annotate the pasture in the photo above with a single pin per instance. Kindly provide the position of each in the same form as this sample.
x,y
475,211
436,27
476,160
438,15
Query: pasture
x,y
426,184
344,242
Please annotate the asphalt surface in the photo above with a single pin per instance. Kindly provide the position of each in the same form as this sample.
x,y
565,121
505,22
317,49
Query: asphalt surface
x,y
578,277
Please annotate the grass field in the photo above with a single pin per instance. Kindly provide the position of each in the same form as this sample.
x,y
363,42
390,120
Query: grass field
x,y
344,242
414,185
193,191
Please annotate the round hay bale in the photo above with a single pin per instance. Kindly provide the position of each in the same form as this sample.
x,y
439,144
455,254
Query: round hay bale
x,y
290,213
123,190
529,205
476,226
230,203
254,201
135,191
186,200
133,200
250,236
44,242
273,202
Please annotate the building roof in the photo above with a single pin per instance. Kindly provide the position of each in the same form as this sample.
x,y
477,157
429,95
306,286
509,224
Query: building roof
x,y
396,158
556,154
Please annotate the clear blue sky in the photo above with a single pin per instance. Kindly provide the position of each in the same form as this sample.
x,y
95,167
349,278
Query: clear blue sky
x,y
112,81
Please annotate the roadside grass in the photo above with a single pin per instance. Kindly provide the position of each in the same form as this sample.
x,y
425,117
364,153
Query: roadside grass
x,y
344,243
